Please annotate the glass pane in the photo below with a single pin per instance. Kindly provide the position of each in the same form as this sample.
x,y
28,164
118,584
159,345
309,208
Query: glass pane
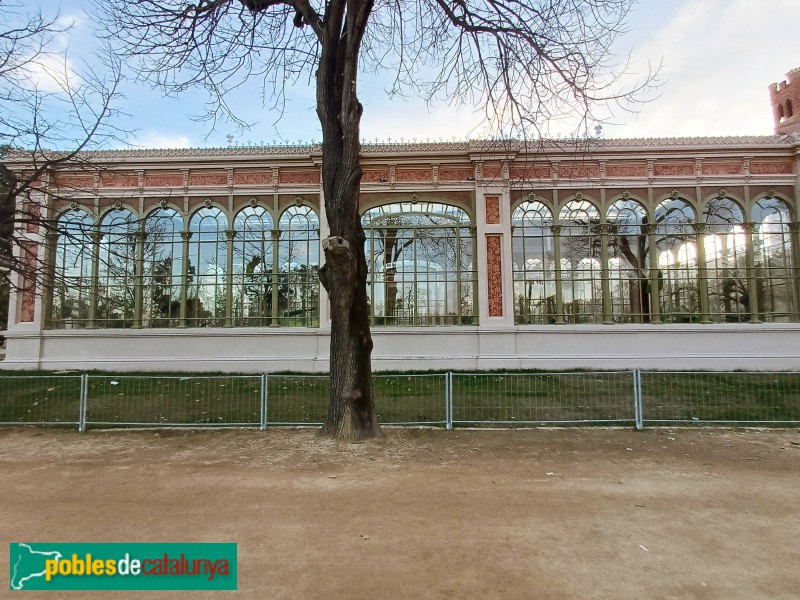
x,y
117,270
163,268
207,268
534,269
73,271
253,262
298,263
420,264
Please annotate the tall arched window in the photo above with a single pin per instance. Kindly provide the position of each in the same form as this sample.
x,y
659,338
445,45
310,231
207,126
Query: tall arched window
x,y
726,264
163,268
628,262
775,268
72,283
298,260
420,264
580,248
116,270
676,252
208,267
534,270
254,268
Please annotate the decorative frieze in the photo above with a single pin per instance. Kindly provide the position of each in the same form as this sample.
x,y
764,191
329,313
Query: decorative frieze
x,y
252,177
673,170
417,175
726,168
492,210
770,168
299,177
170,180
494,274
118,180
620,170
208,179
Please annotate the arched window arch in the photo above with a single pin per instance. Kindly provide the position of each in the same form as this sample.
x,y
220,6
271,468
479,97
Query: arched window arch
x,y
116,298
207,268
72,282
254,268
628,262
580,245
775,268
676,253
532,246
420,258
726,264
298,263
163,268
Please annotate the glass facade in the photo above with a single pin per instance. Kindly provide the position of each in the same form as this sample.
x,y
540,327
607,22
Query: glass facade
x,y
586,267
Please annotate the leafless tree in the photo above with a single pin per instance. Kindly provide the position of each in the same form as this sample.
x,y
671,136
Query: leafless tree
x,y
525,63
50,116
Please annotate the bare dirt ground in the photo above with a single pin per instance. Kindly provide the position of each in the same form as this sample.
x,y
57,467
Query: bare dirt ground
x,y
534,514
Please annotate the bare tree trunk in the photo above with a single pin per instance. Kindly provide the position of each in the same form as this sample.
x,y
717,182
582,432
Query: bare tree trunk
x,y
351,411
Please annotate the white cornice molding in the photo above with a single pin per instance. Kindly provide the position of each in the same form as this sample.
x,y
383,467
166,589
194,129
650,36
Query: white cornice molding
x,y
476,149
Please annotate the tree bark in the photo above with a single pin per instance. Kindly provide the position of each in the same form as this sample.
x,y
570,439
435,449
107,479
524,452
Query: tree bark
x,y
351,410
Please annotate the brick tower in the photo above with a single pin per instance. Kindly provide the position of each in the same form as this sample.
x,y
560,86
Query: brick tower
x,y
785,97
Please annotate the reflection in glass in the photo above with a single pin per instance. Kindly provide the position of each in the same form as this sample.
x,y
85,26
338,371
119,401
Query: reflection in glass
x,y
420,264
73,270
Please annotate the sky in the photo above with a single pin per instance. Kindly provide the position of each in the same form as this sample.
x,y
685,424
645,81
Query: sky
x,y
717,58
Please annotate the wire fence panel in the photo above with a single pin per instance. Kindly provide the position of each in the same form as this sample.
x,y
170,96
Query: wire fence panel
x,y
634,397
411,399
733,397
297,399
543,398
173,401
40,400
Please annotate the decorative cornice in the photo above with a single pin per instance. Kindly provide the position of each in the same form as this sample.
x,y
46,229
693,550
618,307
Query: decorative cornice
x,y
504,147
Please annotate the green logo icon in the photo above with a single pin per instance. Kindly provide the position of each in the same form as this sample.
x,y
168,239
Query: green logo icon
x,y
84,566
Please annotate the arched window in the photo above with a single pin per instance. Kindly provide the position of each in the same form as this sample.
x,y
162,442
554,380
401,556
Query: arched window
x,y
775,269
726,265
580,246
298,261
534,270
677,261
116,270
255,268
789,109
628,262
72,282
163,268
420,264
208,266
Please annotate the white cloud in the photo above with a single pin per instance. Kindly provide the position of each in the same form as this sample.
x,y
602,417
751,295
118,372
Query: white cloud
x,y
719,57
160,139
51,73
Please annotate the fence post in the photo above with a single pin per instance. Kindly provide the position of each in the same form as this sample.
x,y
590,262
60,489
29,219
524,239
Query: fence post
x,y
82,402
637,398
264,382
448,400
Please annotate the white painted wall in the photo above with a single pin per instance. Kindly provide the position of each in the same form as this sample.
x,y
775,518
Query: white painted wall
x,y
769,346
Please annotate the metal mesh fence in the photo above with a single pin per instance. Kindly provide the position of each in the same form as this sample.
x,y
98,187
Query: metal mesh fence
x,y
297,399
40,399
411,399
147,401
732,397
543,398
618,397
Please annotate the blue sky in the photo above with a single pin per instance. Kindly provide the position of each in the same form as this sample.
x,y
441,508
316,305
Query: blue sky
x,y
718,57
